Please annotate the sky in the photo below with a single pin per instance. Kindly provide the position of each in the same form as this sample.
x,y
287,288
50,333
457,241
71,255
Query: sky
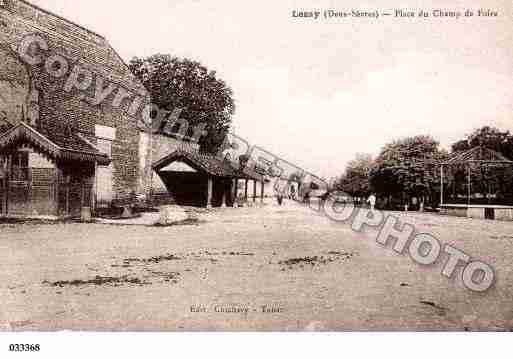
x,y
316,92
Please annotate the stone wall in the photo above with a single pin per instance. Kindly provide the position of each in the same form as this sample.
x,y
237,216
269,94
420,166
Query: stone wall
x,y
476,212
58,109
504,214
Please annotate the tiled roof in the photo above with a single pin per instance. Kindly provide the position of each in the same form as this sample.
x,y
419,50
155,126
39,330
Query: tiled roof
x,y
477,154
209,164
58,146
74,42
5,126
70,140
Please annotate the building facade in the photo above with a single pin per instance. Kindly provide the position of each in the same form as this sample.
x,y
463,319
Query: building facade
x,y
59,151
72,131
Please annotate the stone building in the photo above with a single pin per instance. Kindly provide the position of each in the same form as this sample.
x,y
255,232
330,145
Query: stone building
x,y
70,121
59,151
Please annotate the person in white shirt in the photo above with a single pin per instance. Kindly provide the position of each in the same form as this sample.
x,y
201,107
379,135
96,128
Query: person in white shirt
x,y
372,201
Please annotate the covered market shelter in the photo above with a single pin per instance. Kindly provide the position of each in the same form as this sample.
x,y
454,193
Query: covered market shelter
x,y
477,183
198,179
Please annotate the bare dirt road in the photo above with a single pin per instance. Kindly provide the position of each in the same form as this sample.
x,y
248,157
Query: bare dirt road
x,y
271,268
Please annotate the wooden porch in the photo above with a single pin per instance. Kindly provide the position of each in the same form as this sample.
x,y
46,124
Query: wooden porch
x,y
40,178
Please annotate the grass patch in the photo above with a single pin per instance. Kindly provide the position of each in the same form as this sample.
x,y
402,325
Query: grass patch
x,y
153,260
98,281
333,256
185,222
167,276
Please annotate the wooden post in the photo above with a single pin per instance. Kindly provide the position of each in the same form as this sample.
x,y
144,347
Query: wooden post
x,y
68,180
235,191
82,194
468,189
210,186
93,189
4,186
442,174
223,202
2,190
4,194
254,190
8,183
262,191
246,189
30,192
56,189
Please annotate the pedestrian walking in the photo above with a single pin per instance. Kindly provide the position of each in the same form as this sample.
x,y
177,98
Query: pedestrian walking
x,y
372,201
292,192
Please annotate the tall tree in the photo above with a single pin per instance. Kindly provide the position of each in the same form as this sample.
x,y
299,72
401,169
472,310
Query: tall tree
x,y
355,179
408,167
188,85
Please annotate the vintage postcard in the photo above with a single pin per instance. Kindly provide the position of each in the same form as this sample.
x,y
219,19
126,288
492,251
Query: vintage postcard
x,y
242,166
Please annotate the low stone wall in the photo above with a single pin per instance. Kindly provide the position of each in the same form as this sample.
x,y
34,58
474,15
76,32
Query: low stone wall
x,y
504,214
499,213
454,211
478,212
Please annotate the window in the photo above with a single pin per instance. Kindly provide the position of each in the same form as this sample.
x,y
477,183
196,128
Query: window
x,y
108,133
105,176
20,159
104,146
19,166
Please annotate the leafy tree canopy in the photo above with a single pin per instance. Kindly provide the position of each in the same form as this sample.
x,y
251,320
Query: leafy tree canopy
x,y
355,180
407,166
190,86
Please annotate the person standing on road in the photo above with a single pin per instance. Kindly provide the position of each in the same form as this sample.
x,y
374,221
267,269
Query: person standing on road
x,y
372,201
306,198
292,192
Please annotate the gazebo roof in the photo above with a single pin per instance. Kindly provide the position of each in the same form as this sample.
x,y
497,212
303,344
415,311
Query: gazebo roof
x,y
478,154
206,163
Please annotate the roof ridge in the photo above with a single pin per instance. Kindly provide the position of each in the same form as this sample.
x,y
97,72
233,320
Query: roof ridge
x,y
113,66
465,156
62,18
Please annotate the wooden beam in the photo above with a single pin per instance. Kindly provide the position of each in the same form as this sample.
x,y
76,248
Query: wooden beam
x,y
223,202
254,190
210,186
468,189
67,194
235,191
30,193
82,192
4,195
441,185
4,187
8,183
93,189
56,189
262,192
246,189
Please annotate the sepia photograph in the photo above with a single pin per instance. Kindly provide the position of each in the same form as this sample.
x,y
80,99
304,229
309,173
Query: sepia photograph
x,y
271,166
